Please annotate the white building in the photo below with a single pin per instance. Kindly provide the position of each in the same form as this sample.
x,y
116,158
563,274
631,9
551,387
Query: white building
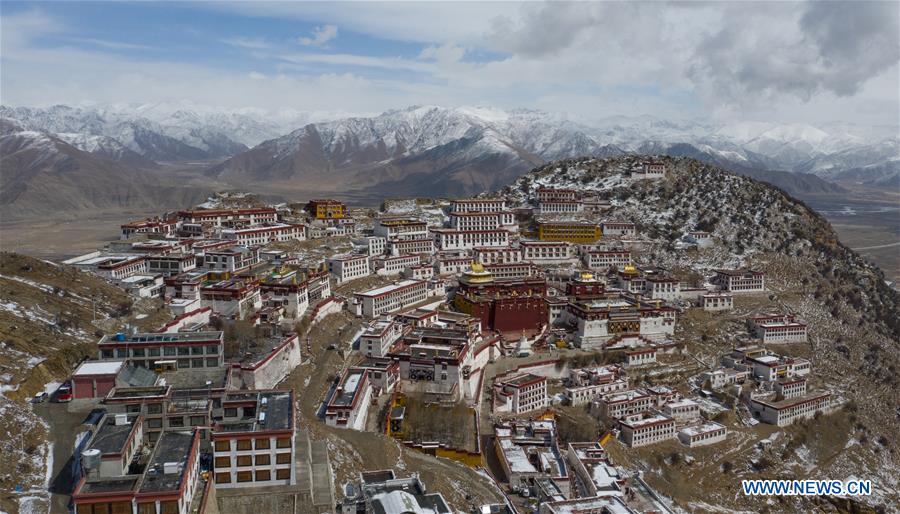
x,y
263,235
347,267
547,252
714,302
231,259
400,228
498,255
253,443
478,205
682,410
560,207
348,406
448,239
618,228
379,336
411,246
740,280
702,435
778,328
785,412
392,297
393,266
469,221
602,260
646,428
520,393
376,245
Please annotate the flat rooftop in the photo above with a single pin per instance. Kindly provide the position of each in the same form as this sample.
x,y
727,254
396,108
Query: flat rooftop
x,y
110,485
171,447
167,337
99,368
111,438
274,411
196,378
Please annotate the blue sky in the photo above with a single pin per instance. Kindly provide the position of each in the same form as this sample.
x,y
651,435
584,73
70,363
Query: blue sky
x,y
774,61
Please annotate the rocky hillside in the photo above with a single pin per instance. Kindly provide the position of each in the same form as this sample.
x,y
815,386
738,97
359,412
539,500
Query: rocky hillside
x,y
50,317
853,315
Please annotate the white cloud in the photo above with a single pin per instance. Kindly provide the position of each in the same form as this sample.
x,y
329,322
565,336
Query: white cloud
x,y
788,62
253,43
320,36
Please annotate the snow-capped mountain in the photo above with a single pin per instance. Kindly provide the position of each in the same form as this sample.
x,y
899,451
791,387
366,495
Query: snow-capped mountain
x,y
460,149
448,149
44,174
157,132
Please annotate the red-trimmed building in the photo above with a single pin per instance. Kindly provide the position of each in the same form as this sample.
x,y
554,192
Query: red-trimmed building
x,y
253,444
167,485
221,217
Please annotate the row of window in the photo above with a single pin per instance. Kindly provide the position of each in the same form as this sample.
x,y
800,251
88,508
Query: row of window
x,y
262,443
262,459
261,475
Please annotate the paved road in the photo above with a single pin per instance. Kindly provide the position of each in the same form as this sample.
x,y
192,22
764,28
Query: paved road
x,y
62,418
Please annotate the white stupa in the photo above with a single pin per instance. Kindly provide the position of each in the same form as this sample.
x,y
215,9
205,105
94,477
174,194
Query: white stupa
x,y
524,346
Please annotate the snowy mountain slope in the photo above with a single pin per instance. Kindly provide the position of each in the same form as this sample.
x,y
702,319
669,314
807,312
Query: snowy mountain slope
x,y
439,145
43,174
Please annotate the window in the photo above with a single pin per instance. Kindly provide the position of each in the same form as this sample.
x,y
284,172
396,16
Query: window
x,y
263,444
263,459
133,409
245,476
223,446
154,352
245,444
212,362
105,354
169,350
196,350
197,421
283,442
154,408
223,478
263,475
282,458
184,350
147,508
169,507
177,421
212,350
244,461
283,474
230,412
154,423
120,508
196,363
223,462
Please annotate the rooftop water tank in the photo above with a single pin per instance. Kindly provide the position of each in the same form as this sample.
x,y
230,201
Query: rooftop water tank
x,y
90,459
120,336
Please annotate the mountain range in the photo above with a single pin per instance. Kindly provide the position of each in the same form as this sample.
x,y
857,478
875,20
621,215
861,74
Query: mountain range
x,y
433,150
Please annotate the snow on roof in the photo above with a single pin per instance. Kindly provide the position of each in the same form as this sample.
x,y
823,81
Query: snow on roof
x,y
388,288
604,476
99,368
701,429
766,359
516,458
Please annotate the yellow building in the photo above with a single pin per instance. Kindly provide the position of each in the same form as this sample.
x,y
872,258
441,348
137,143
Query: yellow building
x,y
326,209
571,231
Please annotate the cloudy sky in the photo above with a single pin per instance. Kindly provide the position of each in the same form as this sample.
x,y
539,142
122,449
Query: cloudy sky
x,y
772,61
